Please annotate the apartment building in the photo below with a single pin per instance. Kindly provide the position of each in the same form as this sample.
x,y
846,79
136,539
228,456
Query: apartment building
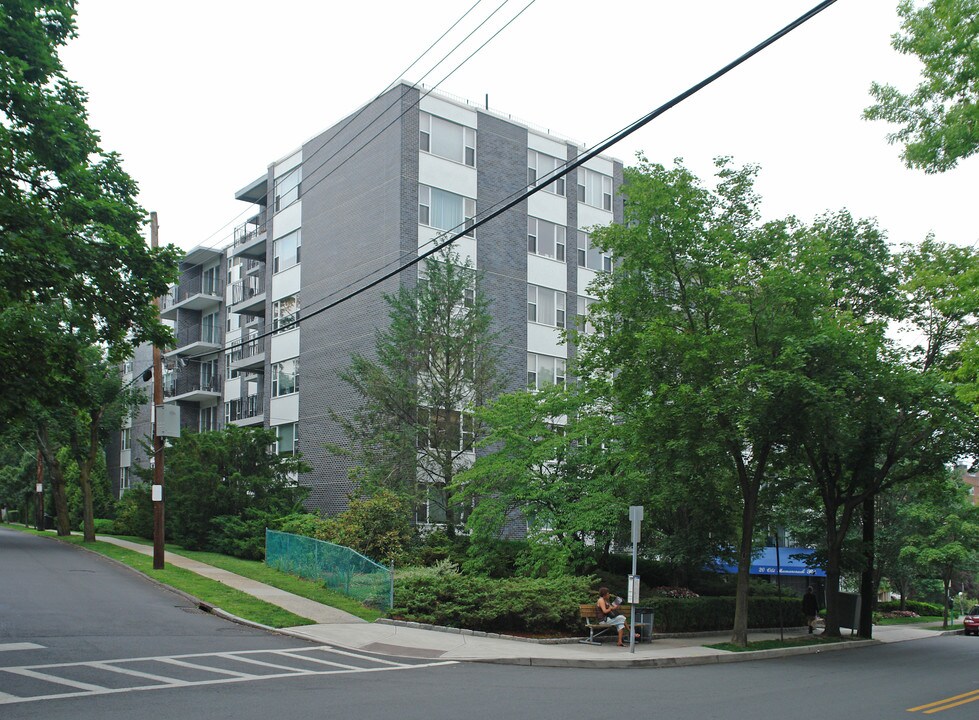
x,y
331,213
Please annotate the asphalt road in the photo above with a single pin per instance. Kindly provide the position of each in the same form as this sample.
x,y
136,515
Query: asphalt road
x,y
116,646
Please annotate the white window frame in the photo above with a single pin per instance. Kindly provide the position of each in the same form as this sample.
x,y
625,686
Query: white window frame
x,y
287,188
279,318
425,193
430,125
558,303
280,449
278,369
541,165
588,254
595,189
278,260
125,479
538,364
584,323
126,438
541,232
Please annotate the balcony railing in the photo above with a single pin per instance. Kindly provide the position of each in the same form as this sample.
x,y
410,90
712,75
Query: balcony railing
x,y
247,288
249,230
185,290
183,383
244,408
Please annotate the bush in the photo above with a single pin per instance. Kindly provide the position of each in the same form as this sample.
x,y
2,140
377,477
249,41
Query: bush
x,y
241,536
922,608
134,512
717,613
105,526
442,596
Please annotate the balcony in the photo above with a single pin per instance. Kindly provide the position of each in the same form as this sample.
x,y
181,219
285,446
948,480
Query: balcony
x,y
249,356
191,387
191,295
193,345
248,296
251,239
249,410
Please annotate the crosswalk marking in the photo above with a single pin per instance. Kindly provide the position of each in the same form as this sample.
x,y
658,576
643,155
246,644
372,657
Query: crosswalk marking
x,y
7,647
197,663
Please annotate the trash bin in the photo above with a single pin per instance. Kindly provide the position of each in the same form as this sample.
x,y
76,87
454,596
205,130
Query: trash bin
x,y
644,620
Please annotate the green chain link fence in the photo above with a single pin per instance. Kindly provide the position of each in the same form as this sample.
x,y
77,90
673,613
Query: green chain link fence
x,y
337,567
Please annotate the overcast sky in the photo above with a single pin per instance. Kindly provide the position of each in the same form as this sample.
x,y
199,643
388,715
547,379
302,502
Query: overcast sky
x,y
199,96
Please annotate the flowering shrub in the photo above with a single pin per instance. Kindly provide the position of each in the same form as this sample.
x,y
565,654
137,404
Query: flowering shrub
x,y
900,614
674,592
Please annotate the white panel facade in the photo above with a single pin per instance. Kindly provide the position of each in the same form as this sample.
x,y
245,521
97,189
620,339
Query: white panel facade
x,y
286,283
585,279
589,216
600,164
547,145
287,220
288,163
447,175
232,389
284,346
547,273
548,206
545,340
448,110
284,409
465,246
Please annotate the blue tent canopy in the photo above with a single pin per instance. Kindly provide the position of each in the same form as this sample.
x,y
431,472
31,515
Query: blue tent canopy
x,y
763,563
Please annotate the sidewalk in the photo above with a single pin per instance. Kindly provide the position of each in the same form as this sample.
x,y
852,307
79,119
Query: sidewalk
x,y
337,628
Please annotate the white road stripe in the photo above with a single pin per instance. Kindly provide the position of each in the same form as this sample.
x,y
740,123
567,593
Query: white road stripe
x,y
137,673
20,646
337,651
207,668
333,664
8,698
253,661
55,679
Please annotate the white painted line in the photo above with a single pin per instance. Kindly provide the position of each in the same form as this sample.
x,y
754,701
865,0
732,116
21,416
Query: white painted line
x,y
331,664
20,646
253,661
7,698
56,680
378,660
207,668
137,673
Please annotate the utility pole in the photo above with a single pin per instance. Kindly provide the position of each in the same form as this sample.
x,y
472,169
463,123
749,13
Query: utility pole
x,y
158,518
39,489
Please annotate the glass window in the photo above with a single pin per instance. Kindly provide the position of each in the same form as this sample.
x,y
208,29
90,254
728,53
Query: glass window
x,y
546,239
287,439
450,430
209,375
443,210
127,367
285,377
544,370
208,419
584,321
284,312
287,188
286,251
594,189
209,281
210,328
125,481
447,139
545,306
592,257
540,165
126,438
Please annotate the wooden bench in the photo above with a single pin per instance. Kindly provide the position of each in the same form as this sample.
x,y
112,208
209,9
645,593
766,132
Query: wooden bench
x,y
589,613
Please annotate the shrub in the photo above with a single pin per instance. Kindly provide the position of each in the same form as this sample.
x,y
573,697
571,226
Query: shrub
x,y
674,592
241,536
922,608
105,526
717,613
134,512
531,605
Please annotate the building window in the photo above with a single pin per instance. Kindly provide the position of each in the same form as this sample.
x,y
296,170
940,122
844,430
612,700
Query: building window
x,y
544,370
287,188
229,356
546,239
127,367
287,439
285,377
209,375
540,165
594,189
286,251
125,480
126,438
584,321
447,139
545,306
209,281
209,419
284,312
590,256
443,210
211,328
448,430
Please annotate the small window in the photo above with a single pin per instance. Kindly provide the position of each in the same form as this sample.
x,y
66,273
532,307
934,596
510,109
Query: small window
x,y
285,313
544,370
286,251
287,439
287,188
446,139
540,165
546,306
591,256
446,211
594,189
546,239
285,377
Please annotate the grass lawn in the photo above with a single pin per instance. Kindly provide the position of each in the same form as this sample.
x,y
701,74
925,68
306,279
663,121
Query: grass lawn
x,y
804,641
220,595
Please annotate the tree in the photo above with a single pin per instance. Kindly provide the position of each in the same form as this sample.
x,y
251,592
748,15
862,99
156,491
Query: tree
x,y
435,364
74,269
696,324
939,119
947,534
230,474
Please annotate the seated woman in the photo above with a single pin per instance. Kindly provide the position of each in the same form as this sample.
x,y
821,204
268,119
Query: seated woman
x,y
609,613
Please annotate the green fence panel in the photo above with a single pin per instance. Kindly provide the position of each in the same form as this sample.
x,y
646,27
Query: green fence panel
x,y
337,567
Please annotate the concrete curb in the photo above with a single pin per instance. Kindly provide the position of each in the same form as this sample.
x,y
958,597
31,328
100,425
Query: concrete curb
x,y
478,633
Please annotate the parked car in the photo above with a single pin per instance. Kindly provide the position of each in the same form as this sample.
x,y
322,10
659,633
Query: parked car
x,y
970,622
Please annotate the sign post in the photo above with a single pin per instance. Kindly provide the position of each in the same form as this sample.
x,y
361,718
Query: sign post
x,y
635,516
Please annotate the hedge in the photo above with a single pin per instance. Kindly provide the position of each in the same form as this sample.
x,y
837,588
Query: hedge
x,y
550,605
917,606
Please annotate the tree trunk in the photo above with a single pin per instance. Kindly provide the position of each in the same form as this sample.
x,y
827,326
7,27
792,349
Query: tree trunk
x,y
739,634
57,482
866,629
